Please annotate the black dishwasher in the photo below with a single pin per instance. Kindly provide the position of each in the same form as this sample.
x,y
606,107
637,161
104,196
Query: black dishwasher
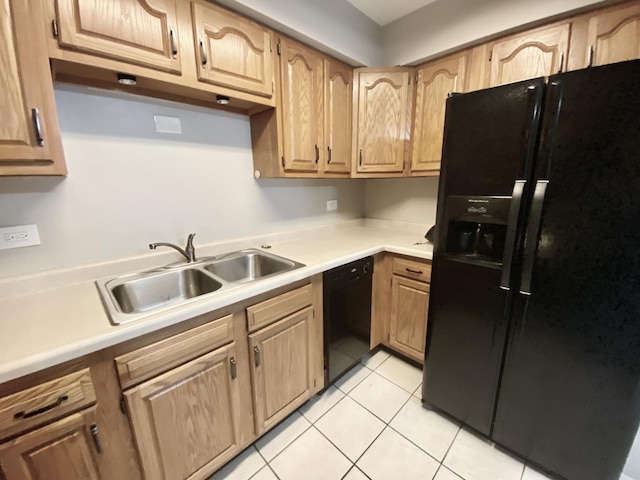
x,y
347,316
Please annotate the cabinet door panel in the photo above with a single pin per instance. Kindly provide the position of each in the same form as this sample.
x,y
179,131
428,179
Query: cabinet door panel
x,y
338,104
62,450
29,141
532,54
409,309
237,51
435,81
280,369
383,107
142,32
302,110
187,419
614,35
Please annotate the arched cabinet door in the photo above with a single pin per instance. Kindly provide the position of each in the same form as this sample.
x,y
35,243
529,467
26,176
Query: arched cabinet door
x,y
614,36
535,53
233,51
140,32
384,118
435,80
338,107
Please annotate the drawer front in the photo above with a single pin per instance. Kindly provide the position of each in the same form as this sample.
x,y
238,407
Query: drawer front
x,y
144,363
279,307
412,269
36,405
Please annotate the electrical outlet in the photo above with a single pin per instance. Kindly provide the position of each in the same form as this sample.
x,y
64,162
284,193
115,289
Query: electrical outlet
x,y
19,236
332,205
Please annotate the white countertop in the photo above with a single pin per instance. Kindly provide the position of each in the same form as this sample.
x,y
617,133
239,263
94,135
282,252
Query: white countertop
x,y
47,327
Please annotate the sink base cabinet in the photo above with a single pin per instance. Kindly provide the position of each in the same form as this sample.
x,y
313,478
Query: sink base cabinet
x,y
186,421
65,449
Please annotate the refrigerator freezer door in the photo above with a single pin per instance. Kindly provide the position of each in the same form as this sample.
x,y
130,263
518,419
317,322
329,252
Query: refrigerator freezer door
x,y
488,143
570,392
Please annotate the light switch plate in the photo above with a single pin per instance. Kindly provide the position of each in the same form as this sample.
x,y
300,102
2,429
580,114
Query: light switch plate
x,y
332,205
19,236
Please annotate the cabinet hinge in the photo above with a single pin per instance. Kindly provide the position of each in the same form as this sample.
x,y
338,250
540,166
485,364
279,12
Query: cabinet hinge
x,y
123,406
54,27
279,48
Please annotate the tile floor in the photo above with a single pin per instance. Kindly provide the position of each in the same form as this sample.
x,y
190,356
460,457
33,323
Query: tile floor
x,y
371,425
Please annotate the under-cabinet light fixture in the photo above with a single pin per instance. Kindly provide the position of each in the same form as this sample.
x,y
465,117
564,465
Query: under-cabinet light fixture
x,y
126,79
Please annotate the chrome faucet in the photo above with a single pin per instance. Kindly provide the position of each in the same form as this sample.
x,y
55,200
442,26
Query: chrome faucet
x,y
189,251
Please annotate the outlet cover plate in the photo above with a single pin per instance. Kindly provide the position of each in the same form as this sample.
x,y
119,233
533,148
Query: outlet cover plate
x,y
19,236
332,205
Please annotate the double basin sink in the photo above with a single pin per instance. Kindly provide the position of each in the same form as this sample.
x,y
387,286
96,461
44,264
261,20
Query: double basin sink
x,y
130,297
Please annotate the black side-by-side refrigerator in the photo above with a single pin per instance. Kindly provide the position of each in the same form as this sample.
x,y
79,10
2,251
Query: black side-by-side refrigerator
x,y
534,321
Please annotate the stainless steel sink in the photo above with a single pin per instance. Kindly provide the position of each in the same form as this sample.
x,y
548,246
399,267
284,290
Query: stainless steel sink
x,y
130,297
249,265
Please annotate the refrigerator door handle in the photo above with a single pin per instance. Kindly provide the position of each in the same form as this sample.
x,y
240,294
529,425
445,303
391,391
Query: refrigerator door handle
x,y
533,231
512,227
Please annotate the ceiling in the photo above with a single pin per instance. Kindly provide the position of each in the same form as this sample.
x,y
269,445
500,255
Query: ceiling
x,y
384,11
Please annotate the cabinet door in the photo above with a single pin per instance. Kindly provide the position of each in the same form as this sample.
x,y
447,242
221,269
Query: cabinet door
x,y
141,32
383,121
614,35
302,110
435,81
338,107
186,420
409,308
65,450
535,53
233,51
280,369
29,135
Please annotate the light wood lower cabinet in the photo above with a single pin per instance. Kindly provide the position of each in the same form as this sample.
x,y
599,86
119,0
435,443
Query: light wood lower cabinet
x,y
185,421
281,371
66,449
408,320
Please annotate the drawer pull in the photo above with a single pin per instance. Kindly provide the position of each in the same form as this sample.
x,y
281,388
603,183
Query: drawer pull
x,y
35,116
96,437
256,356
24,415
203,54
174,44
416,272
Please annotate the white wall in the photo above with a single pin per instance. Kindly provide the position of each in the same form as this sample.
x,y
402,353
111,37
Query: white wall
x,y
333,26
448,24
402,199
128,185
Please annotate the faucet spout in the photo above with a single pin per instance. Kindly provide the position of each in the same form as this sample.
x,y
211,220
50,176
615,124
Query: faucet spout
x,y
189,252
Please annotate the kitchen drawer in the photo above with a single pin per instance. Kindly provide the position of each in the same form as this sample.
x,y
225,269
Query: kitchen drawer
x,y
144,363
45,402
278,307
420,271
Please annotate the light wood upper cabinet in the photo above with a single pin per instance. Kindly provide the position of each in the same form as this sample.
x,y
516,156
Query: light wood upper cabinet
x,y
301,74
232,51
408,321
535,53
140,32
186,421
614,35
29,134
65,449
435,81
281,371
384,102
338,121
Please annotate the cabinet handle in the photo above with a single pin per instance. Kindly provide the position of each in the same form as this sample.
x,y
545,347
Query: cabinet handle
x,y
256,356
561,62
234,368
96,437
416,272
24,415
35,116
360,161
317,153
328,154
203,54
174,43
592,54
